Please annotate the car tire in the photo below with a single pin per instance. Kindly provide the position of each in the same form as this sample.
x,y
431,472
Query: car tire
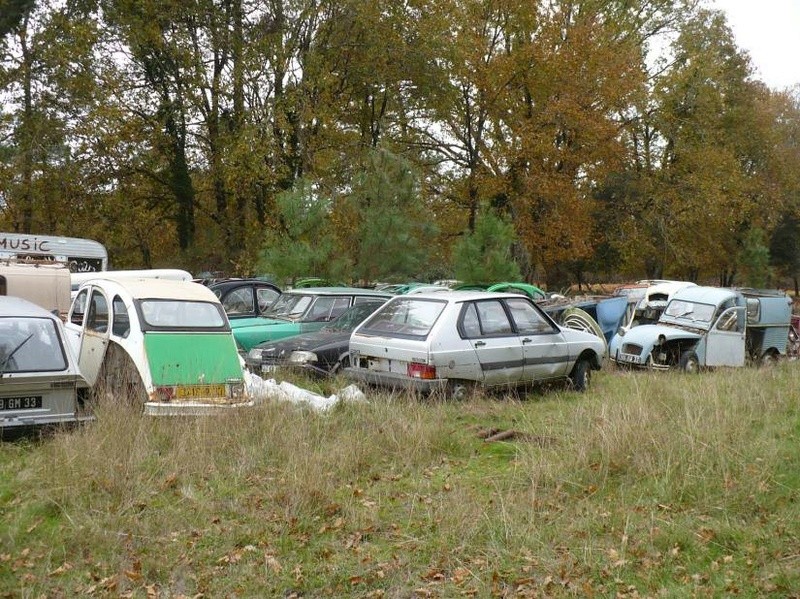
x,y
119,381
689,362
344,362
458,390
581,375
769,359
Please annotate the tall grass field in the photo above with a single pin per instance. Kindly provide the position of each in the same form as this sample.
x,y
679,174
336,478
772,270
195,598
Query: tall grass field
x,y
647,485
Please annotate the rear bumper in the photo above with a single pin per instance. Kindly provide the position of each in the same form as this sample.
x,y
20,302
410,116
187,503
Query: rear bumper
x,y
192,408
394,380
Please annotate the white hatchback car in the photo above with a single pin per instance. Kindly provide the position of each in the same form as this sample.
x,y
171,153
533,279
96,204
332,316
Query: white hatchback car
x,y
39,376
457,339
165,344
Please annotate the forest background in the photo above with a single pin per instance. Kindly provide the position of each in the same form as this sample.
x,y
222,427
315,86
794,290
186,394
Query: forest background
x,y
387,140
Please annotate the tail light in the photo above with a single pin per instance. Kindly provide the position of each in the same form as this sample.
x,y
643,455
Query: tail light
x,y
421,371
164,393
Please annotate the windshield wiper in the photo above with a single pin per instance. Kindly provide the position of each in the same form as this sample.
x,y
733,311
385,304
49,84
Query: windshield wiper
x,y
11,355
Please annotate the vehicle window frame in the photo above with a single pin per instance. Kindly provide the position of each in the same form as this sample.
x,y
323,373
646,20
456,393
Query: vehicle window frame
x,y
56,336
83,294
365,329
91,322
551,326
146,327
115,321
483,335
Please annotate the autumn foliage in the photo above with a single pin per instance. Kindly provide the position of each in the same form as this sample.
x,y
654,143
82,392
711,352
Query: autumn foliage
x,y
620,138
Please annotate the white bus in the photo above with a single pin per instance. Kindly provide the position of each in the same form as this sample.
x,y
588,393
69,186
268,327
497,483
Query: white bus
x,y
80,255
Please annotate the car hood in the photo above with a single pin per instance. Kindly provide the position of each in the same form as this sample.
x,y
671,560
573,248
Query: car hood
x,y
306,341
645,335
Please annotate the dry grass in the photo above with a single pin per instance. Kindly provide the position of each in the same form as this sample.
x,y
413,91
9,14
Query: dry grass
x,y
647,485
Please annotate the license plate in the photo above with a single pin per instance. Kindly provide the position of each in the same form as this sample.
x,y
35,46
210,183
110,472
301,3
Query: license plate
x,y
629,358
28,402
194,391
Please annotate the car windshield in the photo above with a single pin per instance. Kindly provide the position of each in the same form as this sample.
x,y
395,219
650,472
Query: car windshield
x,y
691,311
405,317
30,345
353,317
290,305
181,314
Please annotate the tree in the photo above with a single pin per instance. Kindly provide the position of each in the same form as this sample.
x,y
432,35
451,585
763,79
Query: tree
x,y
383,225
305,245
754,259
484,255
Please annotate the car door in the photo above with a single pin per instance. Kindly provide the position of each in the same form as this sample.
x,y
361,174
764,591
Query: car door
x,y
545,351
94,339
725,342
485,323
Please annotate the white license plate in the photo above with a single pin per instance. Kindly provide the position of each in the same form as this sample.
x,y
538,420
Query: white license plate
x,y
630,358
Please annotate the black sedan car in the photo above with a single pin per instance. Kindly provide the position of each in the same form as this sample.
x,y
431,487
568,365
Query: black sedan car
x,y
322,352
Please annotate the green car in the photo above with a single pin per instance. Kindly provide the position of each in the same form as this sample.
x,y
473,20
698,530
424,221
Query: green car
x,y
299,311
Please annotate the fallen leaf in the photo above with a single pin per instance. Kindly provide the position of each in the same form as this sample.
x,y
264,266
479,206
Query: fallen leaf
x,y
65,567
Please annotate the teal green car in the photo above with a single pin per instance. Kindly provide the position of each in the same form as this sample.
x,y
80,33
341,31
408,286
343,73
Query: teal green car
x,y
299,311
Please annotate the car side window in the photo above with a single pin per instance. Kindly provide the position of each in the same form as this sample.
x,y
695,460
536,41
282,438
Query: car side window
x,y
527,319
328,307
79,308
729,321
97,318
239,301
121,325
470,325
360,299
493,318
265,297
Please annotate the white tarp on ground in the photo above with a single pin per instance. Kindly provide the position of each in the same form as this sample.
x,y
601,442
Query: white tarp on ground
x,y
262,389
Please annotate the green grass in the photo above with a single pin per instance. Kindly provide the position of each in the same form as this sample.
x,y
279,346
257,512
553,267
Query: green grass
x,y
656,485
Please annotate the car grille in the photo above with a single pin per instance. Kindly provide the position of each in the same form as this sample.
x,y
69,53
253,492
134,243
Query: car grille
x,y
273,359
631,348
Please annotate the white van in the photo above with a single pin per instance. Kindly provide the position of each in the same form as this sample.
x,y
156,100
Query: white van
x,y
46,285
170,274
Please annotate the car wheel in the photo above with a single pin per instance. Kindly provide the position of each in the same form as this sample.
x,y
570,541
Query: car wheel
x,y
119,381
581,375
769,359
689,362
460,390
344,362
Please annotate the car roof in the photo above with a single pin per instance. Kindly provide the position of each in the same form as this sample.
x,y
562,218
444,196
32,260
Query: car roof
x,y
465,295
16,306
704,295
158,289
338,291
239,282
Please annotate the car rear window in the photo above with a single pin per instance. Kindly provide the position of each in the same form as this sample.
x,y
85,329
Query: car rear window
x,y
406,317
30,345
180,314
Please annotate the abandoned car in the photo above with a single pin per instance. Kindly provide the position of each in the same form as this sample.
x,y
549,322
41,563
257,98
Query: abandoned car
x,y
321,352
300,311
39,376
709,326
453,341
164,344
245,300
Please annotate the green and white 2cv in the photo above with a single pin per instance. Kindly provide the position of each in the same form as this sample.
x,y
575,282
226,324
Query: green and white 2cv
x,y
164,344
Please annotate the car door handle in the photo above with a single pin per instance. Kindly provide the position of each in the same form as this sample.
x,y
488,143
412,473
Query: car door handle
x,y
480,343
527,340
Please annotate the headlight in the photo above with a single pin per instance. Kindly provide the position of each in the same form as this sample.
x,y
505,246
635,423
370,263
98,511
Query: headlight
x,y
302,357
255,354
